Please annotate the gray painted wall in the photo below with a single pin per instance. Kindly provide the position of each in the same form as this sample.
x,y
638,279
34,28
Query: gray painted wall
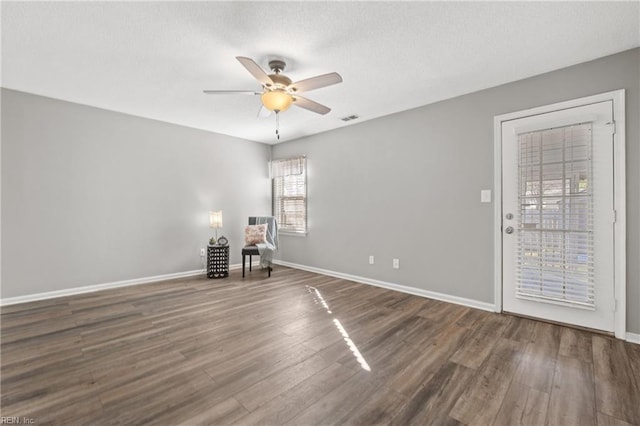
x,y
91,196
408,185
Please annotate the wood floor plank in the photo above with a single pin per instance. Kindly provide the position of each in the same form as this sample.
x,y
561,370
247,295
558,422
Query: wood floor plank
x,y
41,331
292,349
24,370
323,337
519,329
252,372
617,391
474,350
482,399
633,354
604,420
538,364
47,398
337,352
383,353
289,404
379,409
410,304
153,404
434,400
12,320
572,397
36,306
340,403
524,406
430,359
257,362
44,393
80,412
132,391
226,412
122,374
283,380
472,317
440,311
576,344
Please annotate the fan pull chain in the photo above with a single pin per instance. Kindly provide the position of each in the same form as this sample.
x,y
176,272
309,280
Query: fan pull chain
x,y
278,124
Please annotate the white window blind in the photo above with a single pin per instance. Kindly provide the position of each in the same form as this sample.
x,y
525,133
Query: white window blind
x,y
555,225
289,194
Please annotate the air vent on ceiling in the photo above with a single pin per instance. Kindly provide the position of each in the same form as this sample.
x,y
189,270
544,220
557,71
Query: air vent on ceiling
x,y
349,118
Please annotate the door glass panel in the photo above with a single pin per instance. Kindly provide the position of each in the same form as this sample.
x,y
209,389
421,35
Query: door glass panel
x,y
555,221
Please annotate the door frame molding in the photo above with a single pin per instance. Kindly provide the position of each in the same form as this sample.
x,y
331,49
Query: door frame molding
x,y
619,179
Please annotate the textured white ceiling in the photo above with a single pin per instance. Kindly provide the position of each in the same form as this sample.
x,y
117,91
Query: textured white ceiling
x,y
153,59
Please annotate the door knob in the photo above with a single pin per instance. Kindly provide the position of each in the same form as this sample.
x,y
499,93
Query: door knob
x,y
509,230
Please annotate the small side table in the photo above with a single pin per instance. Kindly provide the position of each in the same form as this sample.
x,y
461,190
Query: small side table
x,y
217,261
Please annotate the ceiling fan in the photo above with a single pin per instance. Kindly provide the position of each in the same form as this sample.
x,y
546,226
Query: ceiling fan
x,y
279,92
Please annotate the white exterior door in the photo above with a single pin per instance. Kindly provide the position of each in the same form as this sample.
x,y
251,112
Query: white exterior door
x,y
558,216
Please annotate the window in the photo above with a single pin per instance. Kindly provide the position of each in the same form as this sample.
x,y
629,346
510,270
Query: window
x,y
289,194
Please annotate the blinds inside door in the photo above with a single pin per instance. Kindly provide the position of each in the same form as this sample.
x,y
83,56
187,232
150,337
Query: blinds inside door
x,y
555,224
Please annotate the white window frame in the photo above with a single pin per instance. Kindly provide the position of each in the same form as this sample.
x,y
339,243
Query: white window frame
x,y
282,226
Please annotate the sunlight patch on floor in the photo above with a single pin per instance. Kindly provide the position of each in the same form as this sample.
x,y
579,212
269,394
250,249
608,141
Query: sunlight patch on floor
x,y
318,299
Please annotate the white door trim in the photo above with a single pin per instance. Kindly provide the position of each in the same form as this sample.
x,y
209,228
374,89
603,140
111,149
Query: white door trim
x,y
620,263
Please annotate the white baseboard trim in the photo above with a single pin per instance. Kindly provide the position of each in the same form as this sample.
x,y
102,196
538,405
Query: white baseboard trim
x,y
106,286
633,338
97,287
397,287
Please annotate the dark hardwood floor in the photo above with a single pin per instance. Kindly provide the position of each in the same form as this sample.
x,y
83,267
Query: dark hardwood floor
x,y
300,348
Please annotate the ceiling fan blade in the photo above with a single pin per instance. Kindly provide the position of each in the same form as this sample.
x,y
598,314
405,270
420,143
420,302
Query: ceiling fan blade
x,y
231,92
255,70
316,82
310,105
264,112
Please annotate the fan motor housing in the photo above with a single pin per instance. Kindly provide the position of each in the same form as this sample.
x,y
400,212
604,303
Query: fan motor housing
x,y
280,80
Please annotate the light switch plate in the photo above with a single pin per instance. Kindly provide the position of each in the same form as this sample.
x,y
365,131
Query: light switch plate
x,y
485,196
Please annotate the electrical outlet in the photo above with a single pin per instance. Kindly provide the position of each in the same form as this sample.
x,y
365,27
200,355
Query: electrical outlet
x,y
396,263
202,253
371,260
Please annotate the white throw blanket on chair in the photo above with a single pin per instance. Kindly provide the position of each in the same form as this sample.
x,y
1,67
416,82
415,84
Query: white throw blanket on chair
x,y
267,249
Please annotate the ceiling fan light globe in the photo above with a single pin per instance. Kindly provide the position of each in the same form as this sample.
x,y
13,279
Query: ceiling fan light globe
x,y
276,100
